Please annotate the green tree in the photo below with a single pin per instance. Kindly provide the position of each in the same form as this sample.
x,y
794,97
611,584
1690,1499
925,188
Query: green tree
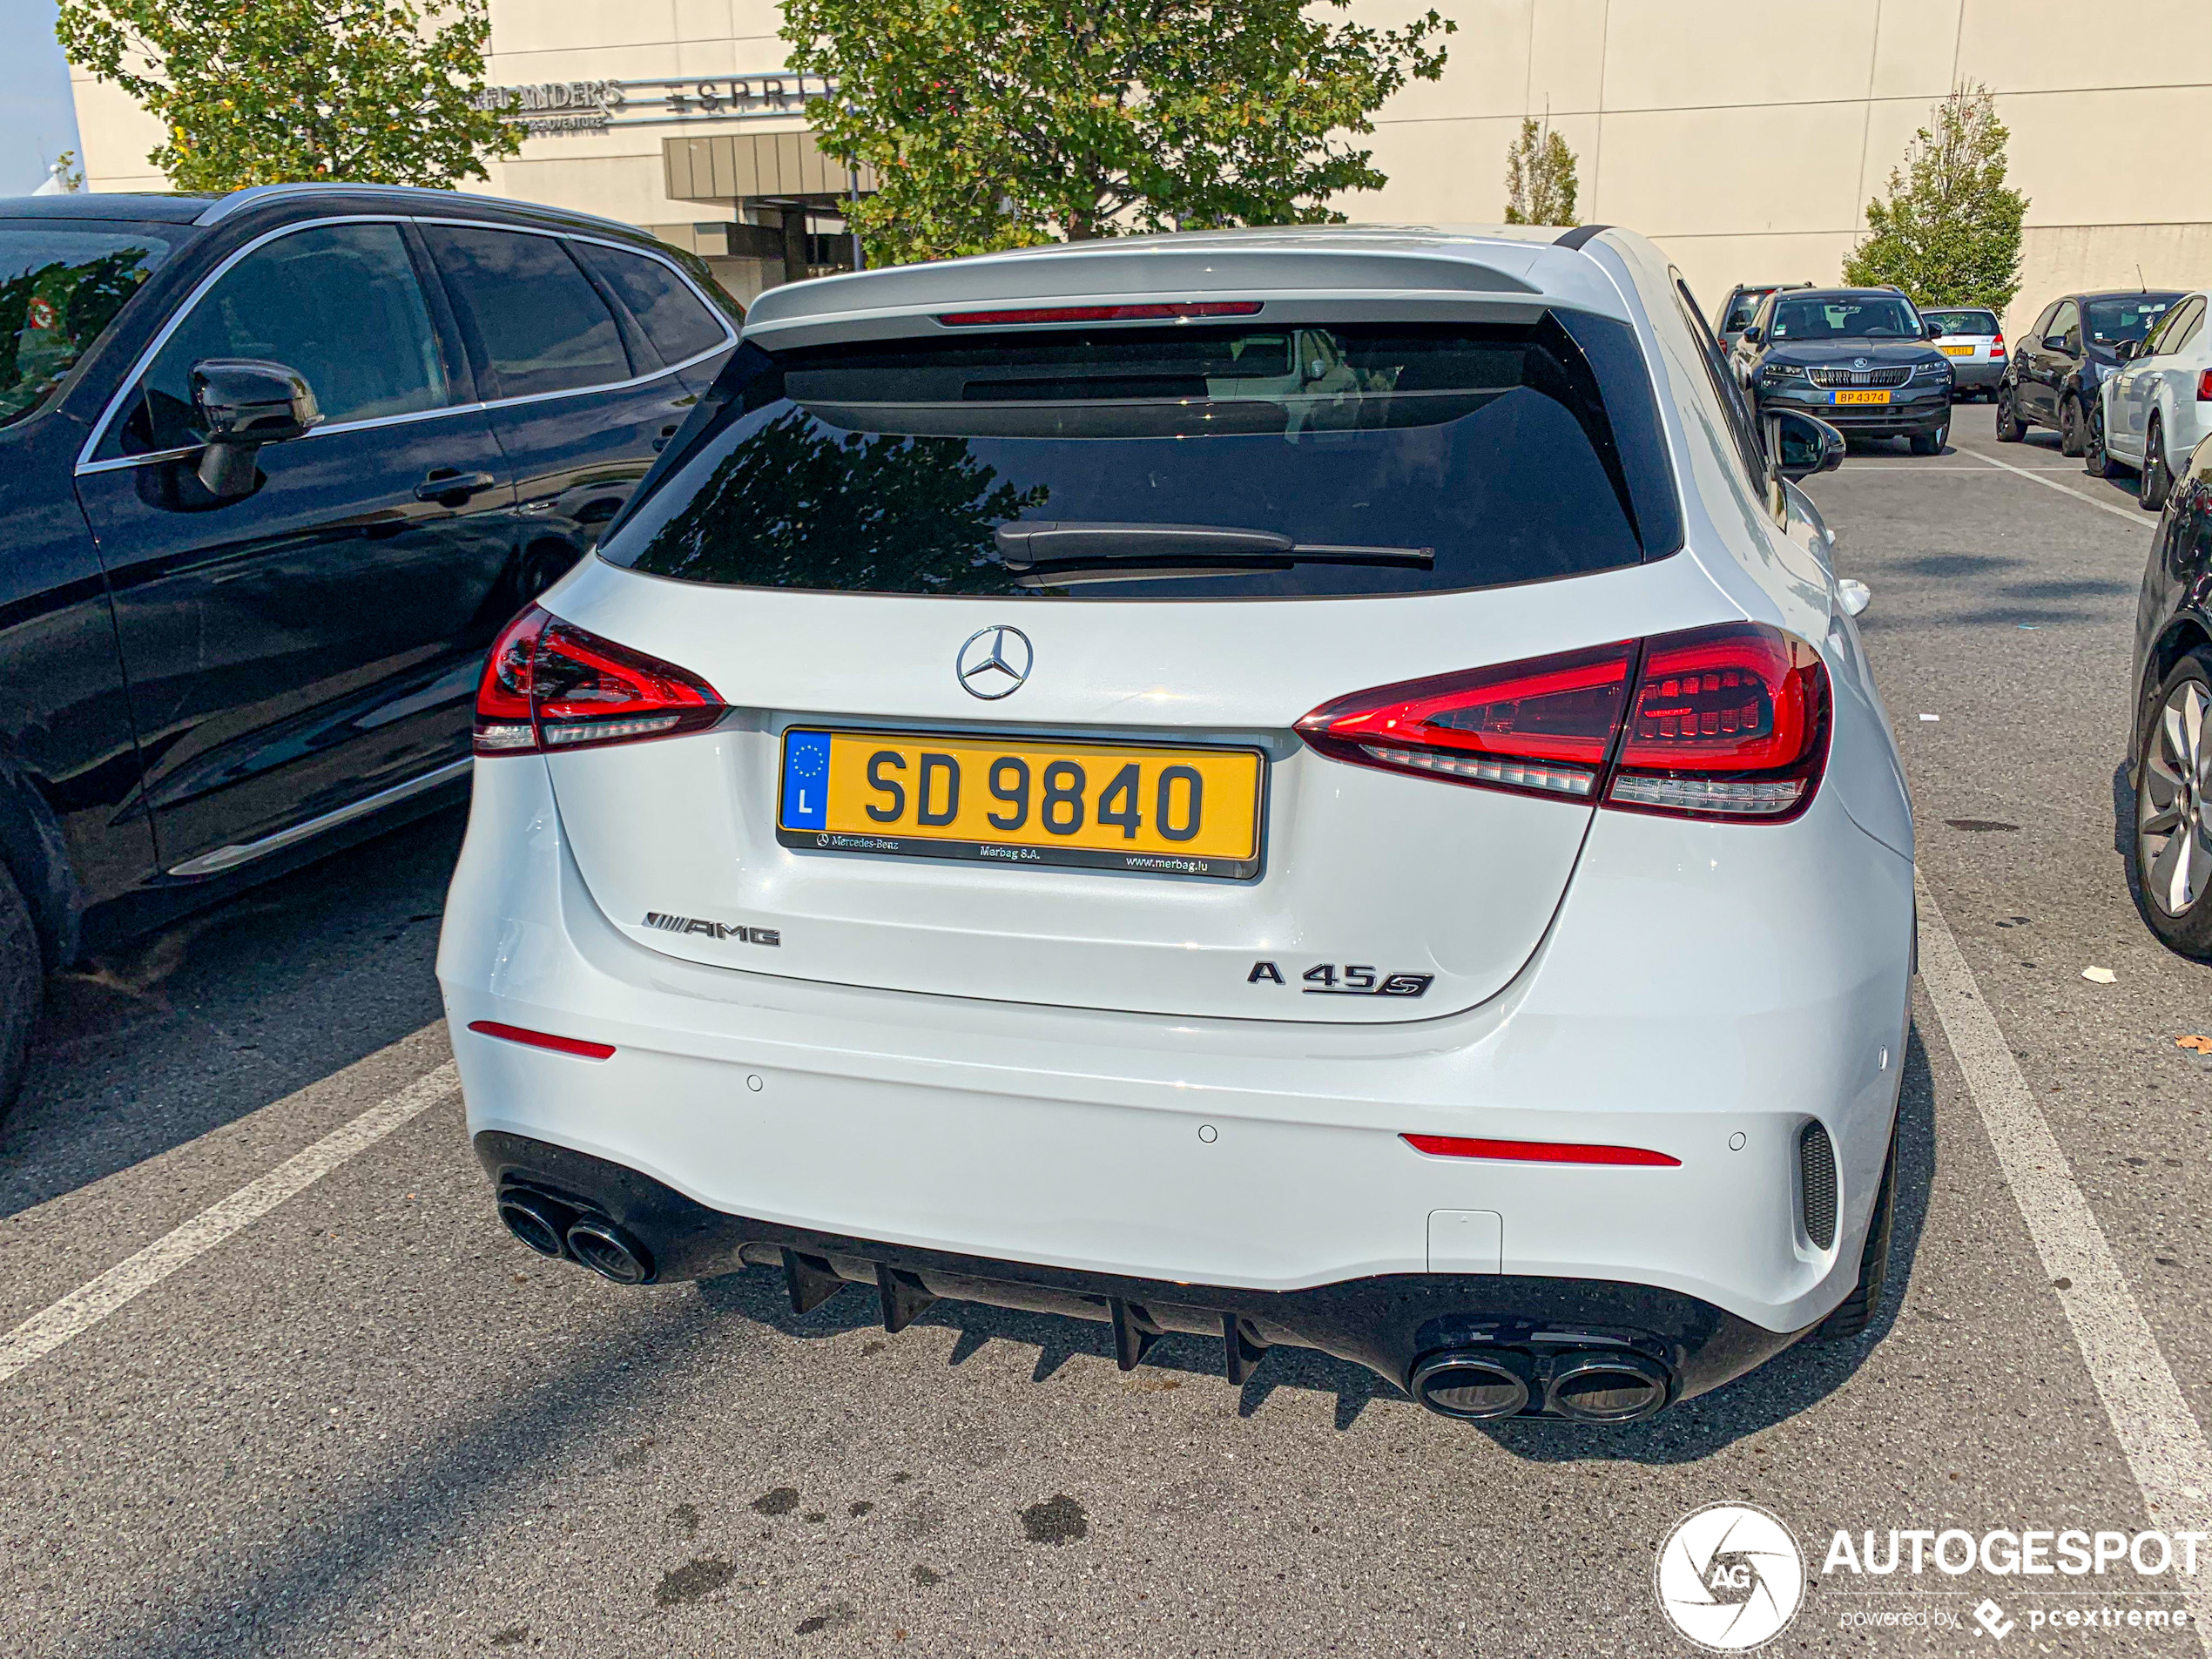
x,y
996,123
265,91
1540,177
1949,231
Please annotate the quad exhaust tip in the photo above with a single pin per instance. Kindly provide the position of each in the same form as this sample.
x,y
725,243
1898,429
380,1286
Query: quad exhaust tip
x,y
1583,1386
609,1251
536,1221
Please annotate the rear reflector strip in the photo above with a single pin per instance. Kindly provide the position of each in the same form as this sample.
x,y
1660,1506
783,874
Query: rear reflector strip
x,y
1456,1146
576,1046
1174,312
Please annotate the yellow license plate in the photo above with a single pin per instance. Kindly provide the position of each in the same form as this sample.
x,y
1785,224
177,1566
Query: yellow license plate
x,y
1861,397
1037,801
1956,351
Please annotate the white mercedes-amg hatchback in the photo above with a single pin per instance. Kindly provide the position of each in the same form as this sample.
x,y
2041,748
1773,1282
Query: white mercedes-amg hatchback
x,y
1311,787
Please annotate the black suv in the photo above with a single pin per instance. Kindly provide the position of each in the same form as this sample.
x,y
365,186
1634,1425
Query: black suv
x,y
275,469
2059,365
1857,358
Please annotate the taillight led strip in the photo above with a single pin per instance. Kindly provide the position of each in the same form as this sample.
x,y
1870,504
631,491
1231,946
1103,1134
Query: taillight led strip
x,y
1728,721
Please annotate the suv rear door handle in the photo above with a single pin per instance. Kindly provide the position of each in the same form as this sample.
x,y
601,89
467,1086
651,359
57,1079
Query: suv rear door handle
x,y
450,487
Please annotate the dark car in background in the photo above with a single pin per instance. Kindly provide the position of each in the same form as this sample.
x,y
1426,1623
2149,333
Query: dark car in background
x,y
1973,339
1741,305
275,469
1859,358
2059,365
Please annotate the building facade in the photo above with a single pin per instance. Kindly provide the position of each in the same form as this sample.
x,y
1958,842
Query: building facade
x,y
1746,140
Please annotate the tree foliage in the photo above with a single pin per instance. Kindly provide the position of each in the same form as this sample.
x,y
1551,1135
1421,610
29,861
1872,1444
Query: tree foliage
x,y
1540,178
1949,231
266,92
996,123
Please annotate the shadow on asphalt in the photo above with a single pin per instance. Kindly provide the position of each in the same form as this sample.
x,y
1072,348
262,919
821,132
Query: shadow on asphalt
x,y
224,1011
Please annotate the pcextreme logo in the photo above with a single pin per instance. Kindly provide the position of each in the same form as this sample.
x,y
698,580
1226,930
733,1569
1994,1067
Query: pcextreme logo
x,y
1730,1577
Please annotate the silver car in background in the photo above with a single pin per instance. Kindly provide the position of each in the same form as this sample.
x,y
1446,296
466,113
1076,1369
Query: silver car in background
x,y
1974,342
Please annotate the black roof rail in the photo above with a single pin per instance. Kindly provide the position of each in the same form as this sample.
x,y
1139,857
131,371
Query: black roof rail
x,y
1579,235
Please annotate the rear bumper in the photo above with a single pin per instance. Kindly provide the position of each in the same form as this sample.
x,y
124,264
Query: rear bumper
x,y
1710,1016
1386,1322
1978,377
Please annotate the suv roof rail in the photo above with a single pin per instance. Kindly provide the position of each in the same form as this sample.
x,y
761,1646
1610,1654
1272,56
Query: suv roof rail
x,y
254,195
1579,235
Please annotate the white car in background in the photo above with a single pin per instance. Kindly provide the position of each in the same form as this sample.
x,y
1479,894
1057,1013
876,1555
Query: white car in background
x,y
1974,342
2157,407
1311,787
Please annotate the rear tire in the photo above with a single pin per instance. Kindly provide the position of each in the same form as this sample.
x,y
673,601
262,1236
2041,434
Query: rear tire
x,y
2010,428
22,987
1858,1311
2070,425
2172,766
2155,483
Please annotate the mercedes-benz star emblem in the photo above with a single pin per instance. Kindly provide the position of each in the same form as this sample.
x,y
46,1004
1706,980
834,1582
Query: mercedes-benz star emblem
x,y
994,661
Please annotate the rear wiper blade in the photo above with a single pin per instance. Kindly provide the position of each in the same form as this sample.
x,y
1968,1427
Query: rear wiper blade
x,y
1036,544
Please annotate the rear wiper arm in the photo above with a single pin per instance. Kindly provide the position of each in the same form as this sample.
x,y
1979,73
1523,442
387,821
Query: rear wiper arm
x,y
1037,544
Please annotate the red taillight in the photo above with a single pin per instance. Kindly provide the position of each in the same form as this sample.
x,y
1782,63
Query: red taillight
x,y
1541,727
1172,312
1997,347
1460,1146
529,1038
550,684
1728,721
2204,386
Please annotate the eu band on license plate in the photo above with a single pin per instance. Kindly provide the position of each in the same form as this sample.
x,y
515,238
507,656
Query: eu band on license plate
x,y
1026,800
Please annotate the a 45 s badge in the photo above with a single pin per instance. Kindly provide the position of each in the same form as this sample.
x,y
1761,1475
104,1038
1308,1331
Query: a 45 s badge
x,y
1351,979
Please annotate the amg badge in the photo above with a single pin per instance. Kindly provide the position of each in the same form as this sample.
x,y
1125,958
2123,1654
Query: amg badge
x,y
714,929
1353,979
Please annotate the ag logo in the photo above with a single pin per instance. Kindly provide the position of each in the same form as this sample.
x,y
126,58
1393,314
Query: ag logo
x,y
1730,1577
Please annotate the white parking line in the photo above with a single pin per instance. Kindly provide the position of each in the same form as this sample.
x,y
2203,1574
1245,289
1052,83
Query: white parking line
x,y
2135,515
2164,1445
86,1307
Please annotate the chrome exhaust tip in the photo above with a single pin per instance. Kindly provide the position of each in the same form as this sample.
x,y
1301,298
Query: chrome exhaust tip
x,y
537,1222
609,1251
1607,1387
1468,1383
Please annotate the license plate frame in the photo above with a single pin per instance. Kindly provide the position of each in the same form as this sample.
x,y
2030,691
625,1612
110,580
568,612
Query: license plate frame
x,y
1029,848
1956,351
1860,396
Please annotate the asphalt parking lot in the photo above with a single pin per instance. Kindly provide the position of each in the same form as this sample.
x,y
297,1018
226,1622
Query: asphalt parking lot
x,y
367,1420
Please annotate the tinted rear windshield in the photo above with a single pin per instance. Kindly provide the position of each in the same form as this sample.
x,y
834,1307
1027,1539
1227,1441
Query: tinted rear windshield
x,y
1189,463
1963,322
61,285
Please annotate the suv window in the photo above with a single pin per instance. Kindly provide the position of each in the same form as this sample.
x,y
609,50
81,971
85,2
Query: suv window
x,y
340,303
539,324
60,287
1846,316
1406,458
674,319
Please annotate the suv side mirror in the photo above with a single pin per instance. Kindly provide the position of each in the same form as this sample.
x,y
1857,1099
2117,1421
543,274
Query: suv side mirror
x,y
2128,350
1933,330
242,403
1798,446
1754,335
